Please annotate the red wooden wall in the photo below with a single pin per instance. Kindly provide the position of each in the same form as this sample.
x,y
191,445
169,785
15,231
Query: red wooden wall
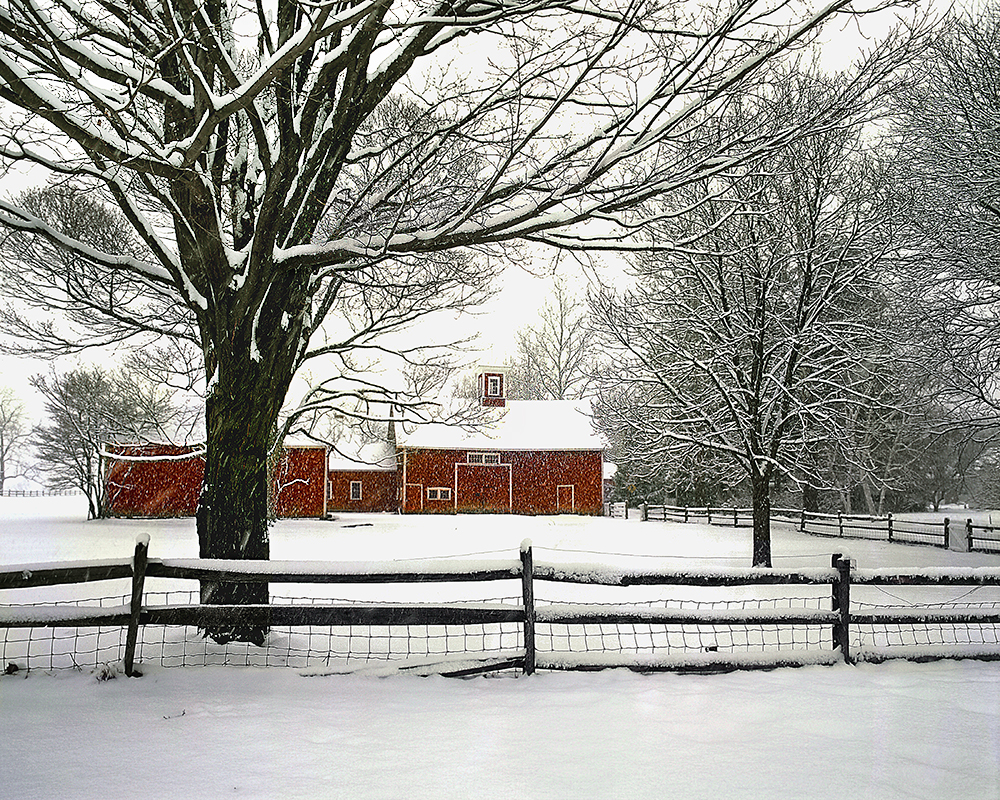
x,y
379,490
300,481
170,488
153,488
524,482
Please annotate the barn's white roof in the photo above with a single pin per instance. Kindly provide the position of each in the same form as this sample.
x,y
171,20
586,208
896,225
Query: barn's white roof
x,y
355,455
521,425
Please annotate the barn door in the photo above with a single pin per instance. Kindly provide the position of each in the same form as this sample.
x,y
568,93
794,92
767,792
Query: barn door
x,y
566,499
483,489
413,500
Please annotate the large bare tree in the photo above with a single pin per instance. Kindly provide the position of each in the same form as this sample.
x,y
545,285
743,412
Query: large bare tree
x,y
750,335
555,356
14,433
287,165
949,165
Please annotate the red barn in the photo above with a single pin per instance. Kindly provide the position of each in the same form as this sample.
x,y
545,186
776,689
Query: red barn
x,y
158,480
531,457
526,457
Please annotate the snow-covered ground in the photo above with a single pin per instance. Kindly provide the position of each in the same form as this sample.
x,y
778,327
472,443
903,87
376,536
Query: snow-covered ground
x,y
891,731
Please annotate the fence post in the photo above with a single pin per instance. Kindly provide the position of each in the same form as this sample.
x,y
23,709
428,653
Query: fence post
x,y
889,523
138,578
686,511
947,533
842,603
708,514
644,511
528,595
802,525
840,523
968,531
736,519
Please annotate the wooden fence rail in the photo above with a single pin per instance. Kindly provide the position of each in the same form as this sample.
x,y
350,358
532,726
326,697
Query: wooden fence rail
x,y
984,538
839,617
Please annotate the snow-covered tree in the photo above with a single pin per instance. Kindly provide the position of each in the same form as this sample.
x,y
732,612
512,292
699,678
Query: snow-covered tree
x,y
751,333
292,170
14,432
87,408
555,355
948,157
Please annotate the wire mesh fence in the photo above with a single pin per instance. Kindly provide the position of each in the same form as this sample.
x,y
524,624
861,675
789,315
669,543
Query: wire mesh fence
x,y
929,634
349,647
51,649
672,639
749,616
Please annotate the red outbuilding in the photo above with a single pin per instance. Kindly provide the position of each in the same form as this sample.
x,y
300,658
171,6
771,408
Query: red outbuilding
x,y
367,481
159,480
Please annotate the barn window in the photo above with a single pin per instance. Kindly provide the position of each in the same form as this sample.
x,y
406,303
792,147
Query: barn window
x,y
493,386
355,490
438,493
484,458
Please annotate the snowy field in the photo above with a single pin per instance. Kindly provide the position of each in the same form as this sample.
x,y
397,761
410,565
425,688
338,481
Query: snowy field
x,y
890,731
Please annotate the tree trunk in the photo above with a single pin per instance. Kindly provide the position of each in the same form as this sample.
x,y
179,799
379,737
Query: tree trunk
x,y
866,488
761,501
810,498
233,507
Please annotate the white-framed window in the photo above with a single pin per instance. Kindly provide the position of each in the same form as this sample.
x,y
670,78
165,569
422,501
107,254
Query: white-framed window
x,y
355,490
494,386
483,458
438,493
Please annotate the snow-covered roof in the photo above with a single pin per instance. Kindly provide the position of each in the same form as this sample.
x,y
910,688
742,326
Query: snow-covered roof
x,y
521,425
355,455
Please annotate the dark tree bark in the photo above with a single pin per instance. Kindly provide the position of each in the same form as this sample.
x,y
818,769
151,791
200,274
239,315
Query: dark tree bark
x,y
760,490
232,513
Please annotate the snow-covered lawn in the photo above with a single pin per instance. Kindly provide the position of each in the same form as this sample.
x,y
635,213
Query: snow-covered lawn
x,y
891,731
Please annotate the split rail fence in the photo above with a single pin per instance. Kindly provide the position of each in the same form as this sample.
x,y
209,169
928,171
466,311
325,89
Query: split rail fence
x,y
984,538
525,633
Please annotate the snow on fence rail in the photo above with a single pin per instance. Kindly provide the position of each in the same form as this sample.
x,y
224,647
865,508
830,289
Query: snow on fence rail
x,y
888,528
511,633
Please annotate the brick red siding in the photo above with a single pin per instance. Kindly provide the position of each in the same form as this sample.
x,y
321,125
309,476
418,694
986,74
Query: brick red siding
x,y
300,480
379,490
171,488
153,488
525,482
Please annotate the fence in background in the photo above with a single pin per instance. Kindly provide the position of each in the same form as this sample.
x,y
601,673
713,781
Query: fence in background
x,y
984,538
810,617
618,510
40,492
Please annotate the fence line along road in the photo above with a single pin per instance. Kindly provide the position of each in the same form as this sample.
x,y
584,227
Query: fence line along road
x,y
528,633
982,538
